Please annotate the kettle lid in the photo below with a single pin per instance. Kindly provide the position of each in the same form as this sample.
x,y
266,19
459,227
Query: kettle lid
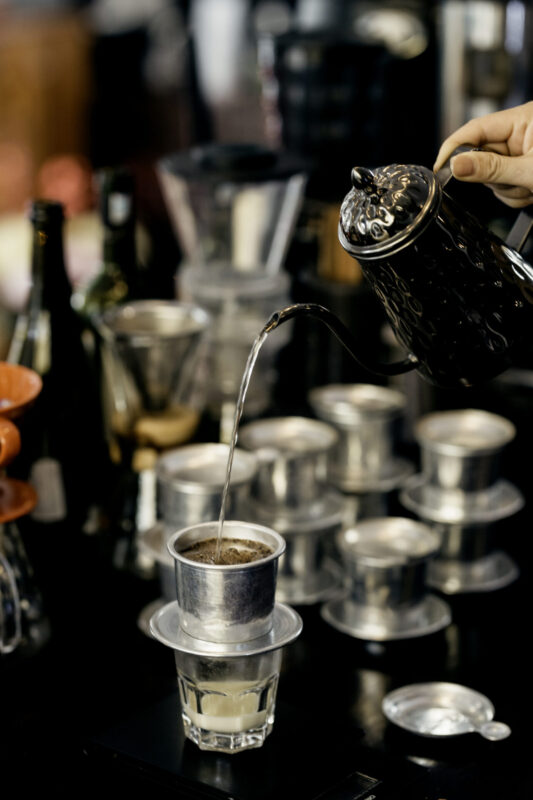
x,y
386,208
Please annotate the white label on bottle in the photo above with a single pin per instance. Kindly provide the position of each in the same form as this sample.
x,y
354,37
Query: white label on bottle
x,y
47,480
119,208
43,353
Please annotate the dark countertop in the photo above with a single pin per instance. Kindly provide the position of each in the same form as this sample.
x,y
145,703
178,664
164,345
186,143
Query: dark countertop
x,y
97,707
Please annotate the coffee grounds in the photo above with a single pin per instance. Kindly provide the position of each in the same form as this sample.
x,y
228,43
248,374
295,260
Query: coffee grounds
x,y
233,551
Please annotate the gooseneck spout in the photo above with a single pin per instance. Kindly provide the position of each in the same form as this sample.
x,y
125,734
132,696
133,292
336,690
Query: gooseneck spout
x,y
343,334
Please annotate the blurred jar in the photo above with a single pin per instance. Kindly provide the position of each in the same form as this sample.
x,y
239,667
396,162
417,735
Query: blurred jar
x,y
240,304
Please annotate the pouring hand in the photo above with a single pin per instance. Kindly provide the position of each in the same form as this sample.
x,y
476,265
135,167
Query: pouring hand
x,y
505,164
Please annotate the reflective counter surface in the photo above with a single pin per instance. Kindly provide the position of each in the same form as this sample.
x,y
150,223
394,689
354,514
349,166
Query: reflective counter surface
x,y
97,707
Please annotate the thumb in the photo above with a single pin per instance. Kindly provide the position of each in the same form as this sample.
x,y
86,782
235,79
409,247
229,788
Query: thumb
x,y
483,166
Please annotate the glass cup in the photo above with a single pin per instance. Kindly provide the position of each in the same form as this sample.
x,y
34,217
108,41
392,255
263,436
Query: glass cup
x,y
227,704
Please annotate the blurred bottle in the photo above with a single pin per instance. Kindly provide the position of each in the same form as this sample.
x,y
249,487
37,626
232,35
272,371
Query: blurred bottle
x,y
118,280
62,433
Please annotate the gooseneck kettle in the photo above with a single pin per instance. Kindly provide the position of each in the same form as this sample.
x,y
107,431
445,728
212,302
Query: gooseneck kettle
x,y
458,298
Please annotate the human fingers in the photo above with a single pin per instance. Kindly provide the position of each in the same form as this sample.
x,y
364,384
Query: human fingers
x,y
492,168
517,192
514,197
493,130
509,132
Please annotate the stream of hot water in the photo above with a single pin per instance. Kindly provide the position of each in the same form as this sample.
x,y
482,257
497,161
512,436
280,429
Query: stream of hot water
x,y
278,317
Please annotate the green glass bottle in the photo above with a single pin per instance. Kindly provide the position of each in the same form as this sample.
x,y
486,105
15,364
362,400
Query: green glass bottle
x,y
118,279
61,434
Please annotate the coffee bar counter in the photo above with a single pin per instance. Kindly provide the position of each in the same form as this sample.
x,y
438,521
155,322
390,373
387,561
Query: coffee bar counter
x,y
96,708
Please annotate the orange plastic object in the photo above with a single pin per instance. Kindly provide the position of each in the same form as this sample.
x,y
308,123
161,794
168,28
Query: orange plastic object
x,y
19,387
17,498
9,441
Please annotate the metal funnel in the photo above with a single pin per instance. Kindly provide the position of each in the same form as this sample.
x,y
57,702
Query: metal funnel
x,y
233,203
156,342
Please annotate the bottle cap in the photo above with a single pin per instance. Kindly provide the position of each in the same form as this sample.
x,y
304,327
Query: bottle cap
x,y
44,211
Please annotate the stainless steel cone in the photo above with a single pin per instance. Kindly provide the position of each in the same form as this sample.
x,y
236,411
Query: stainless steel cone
x,y
157,343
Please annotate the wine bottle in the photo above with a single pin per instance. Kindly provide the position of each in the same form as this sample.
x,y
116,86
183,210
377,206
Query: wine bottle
x,y
117,282
61,434
118,279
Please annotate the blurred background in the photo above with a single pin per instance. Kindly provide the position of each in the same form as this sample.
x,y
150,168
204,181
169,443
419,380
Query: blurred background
x,y
333,83
85,85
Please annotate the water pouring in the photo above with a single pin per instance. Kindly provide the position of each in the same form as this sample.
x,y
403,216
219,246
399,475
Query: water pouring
x,y
291,494
190,479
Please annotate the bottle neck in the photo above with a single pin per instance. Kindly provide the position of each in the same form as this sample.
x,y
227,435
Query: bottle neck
x,y
51,288
47,323
118,217
119,251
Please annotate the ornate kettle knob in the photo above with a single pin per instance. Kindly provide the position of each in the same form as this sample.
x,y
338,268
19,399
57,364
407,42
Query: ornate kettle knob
x,y
384,207
363,179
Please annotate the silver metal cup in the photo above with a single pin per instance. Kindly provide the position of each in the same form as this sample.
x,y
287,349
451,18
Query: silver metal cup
x,y
461,449
457,507
469,559
363,505
367,417
385,560
190,481
292,454
226,603
306,574
465,541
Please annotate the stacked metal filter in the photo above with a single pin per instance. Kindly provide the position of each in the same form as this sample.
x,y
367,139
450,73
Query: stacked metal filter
x,y
190,481
386,561
363,465
227,633
290,494
460,493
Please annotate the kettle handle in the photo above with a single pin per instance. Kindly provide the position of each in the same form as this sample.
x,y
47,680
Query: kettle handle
x,y
445,172
521,229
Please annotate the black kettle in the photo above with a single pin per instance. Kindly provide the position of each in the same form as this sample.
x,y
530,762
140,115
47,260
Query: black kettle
x,y
457,297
